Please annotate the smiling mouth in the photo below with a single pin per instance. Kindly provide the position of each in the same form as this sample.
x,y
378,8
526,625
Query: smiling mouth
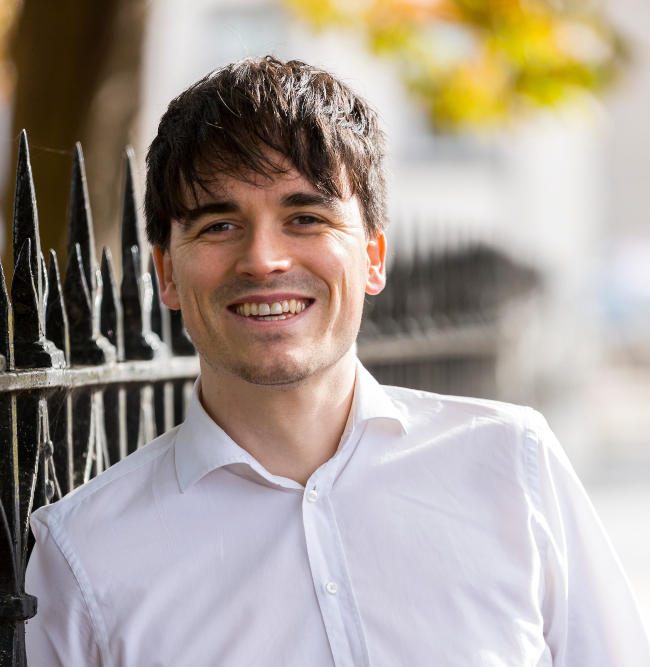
x,y
276,310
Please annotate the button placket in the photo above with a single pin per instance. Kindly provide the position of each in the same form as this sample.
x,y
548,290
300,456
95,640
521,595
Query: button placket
x,y
329,572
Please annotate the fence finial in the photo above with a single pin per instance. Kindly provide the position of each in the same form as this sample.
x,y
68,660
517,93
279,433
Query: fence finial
x,y
112,318
160,320
81,223
87,344
31,348
56,320
136,291
83,283
25,223
131,235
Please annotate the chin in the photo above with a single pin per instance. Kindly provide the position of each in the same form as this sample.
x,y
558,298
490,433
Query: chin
x,y
280,374
282,368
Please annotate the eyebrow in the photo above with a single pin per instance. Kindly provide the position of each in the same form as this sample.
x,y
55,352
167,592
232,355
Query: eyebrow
x,y
302,199
214,207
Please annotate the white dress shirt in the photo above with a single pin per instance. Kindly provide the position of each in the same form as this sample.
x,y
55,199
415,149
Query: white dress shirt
x,y
444,532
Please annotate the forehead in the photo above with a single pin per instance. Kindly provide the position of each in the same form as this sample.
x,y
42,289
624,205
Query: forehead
x,y
225,194
251,185
281,177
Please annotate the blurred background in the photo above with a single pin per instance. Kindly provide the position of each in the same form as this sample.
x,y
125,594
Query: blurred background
x,y
519,159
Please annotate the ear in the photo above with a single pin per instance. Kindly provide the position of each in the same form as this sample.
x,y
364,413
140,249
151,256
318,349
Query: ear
x,y
163,261
376,250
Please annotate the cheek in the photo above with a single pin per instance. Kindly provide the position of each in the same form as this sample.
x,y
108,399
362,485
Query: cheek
x,y
200,271
345,271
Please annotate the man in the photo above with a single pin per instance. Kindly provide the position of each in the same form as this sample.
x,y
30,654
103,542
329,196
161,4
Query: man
x,y
303,514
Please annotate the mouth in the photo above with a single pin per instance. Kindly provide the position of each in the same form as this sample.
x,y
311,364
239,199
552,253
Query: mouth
x,y
271,311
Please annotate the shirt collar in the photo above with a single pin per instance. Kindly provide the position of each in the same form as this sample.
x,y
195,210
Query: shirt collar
x,y
203,446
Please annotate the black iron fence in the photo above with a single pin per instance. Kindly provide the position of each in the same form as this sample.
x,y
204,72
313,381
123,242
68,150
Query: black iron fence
x,y
437,325
90,372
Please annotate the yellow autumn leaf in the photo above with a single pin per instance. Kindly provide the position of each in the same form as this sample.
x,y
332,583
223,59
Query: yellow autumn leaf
x,y
475,63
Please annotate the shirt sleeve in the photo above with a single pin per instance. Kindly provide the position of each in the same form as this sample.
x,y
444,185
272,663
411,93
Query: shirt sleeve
x,y
61,634
590,615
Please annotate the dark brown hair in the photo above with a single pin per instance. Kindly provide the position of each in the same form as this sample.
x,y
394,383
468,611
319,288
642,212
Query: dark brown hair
x,y
227,122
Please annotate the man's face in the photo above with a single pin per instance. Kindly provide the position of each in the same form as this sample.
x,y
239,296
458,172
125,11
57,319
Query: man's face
x,y
271,277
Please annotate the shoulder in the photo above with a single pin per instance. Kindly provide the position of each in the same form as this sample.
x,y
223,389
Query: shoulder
x,y
122,484
424,407
470,432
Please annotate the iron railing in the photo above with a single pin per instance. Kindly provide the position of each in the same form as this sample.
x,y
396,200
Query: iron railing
x,y
437,324
88,373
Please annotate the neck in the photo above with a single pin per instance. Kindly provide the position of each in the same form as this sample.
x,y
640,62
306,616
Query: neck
x,y
292,432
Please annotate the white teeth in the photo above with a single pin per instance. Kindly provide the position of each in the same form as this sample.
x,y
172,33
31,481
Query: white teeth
x,y
278,310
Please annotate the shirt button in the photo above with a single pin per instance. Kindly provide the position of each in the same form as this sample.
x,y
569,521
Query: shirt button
x,y
332,588
312,496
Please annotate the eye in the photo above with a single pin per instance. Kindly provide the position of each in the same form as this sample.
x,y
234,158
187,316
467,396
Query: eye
x,y
306,221
220,227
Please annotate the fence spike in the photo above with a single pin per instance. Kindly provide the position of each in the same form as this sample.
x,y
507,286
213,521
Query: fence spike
x,y
139,343
6,324
56,321
87,344
168,324
157,325
131,235
77,297
25,223
31,348
136,289
81,223
112,318
160,321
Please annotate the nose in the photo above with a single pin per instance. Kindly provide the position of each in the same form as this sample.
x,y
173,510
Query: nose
x,y
264,256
